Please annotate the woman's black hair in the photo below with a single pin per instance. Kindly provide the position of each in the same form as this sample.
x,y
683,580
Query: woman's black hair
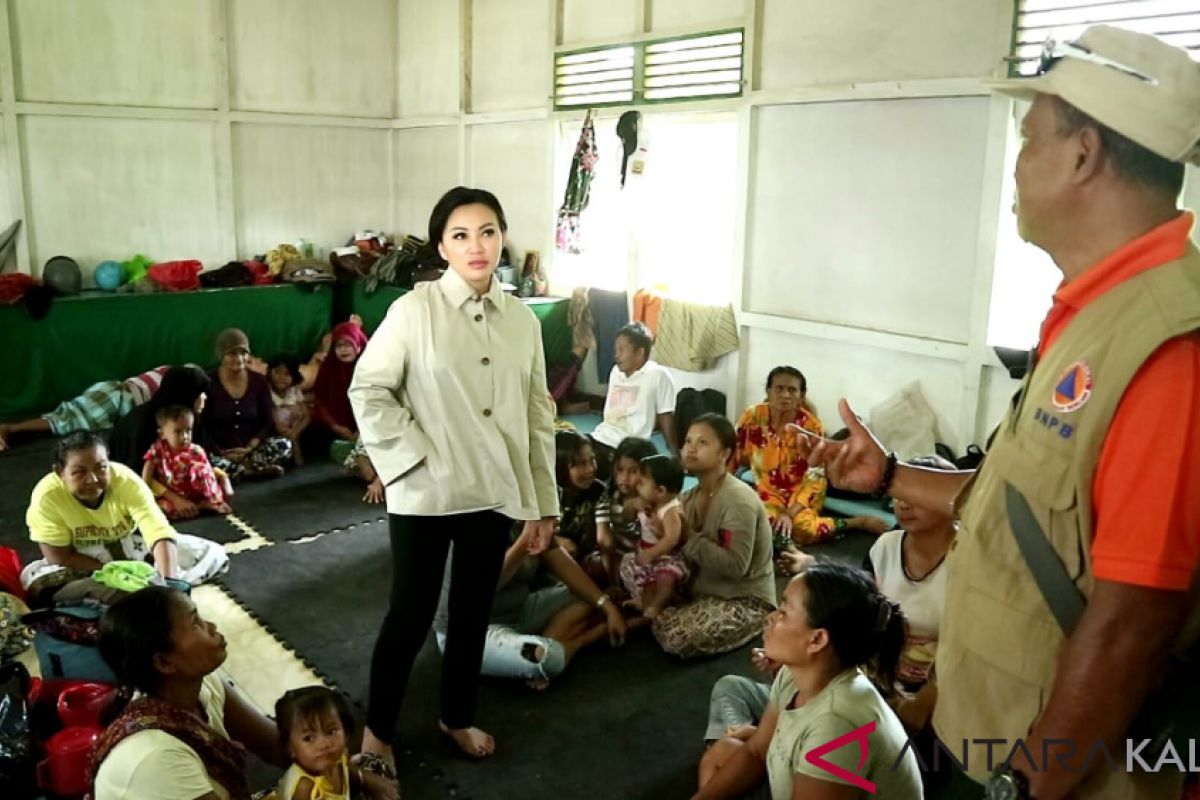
x,y
567,447
638,335
722,427
310,702
290,363
664,471
865,627
74,442
180,386
133,631
456,197
787,370
635,448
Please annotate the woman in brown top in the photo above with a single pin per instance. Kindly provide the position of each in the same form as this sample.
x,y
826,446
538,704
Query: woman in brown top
x,y
729,550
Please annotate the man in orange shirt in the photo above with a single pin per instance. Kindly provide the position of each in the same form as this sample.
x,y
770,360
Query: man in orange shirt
x,y
1106,434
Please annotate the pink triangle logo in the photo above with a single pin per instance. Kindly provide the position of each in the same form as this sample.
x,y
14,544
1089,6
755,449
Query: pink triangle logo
x,y
859,735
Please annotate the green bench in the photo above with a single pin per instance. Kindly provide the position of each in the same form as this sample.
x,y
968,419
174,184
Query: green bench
x,y
98,336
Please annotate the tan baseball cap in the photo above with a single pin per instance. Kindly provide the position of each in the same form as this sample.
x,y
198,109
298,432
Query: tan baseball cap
x,y
1135,83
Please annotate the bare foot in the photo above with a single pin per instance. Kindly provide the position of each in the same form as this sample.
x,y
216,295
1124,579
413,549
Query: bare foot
x,y
375,746
538,684
471,741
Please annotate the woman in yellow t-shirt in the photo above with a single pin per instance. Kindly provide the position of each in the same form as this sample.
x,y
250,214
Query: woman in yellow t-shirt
x,y
184,735
89,511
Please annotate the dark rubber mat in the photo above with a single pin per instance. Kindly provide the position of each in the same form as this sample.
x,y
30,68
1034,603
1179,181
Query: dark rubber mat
x,y
315,498
622,723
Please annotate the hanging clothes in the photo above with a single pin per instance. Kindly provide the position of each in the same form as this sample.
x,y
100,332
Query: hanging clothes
x,y
579,186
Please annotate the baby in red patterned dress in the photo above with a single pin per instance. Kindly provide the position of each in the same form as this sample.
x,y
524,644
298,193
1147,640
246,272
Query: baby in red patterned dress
x,y
182,468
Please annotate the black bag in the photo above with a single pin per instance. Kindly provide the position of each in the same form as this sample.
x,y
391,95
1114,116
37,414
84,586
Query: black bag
x,y
970,459
691,403
18,767
235,273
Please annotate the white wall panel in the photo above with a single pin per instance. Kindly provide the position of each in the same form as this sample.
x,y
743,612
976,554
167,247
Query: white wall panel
x,y
128,52
319,184
313,56
995,395
107,188
588,20
6,186
866,214
865,376
426,167
429,58
815,42
512,160
512,54
668,15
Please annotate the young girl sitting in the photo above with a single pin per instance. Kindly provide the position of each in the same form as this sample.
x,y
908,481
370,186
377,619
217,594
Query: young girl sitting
x,y
579,493
659,567
314,728
182,467
291,413
617,531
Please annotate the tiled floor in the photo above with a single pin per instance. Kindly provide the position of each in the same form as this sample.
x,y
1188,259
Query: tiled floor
x,y
261,666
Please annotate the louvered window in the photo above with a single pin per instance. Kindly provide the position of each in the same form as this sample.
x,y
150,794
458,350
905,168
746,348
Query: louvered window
x,y
1175,21
684,68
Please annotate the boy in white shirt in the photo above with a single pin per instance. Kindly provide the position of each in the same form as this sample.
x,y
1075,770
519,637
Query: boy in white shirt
x,y
641,397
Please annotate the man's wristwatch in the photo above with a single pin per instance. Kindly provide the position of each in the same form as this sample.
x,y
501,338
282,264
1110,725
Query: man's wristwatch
x,y
1007,784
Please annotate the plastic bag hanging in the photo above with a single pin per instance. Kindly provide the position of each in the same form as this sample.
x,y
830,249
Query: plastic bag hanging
x,y
579,185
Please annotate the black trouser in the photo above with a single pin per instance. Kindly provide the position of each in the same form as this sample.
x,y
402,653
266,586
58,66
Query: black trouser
x,y
419,549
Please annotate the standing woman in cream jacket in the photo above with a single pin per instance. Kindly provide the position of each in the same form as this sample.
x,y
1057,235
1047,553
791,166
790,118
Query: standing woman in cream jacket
x,y
450,398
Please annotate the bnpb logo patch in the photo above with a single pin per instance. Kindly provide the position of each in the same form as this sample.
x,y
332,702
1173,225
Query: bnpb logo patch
x,y
1073,388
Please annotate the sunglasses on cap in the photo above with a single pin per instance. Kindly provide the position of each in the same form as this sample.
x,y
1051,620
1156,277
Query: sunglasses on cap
x,y
1053,52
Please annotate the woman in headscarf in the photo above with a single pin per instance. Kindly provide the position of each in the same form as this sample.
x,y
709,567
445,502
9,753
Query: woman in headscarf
x,y
332,416
238,417
133,433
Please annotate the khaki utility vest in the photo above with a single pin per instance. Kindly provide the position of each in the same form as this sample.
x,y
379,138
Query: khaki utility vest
x,y
999,642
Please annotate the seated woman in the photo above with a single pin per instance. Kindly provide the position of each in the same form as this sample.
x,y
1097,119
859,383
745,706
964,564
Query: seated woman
x,y
89,511
135,432
728,550
534,633
239,416
910,569
791,492
186,733
95,409
332,417
832,622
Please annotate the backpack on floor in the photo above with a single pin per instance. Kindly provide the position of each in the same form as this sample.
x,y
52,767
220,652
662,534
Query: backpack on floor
x,y
65,640
17,758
